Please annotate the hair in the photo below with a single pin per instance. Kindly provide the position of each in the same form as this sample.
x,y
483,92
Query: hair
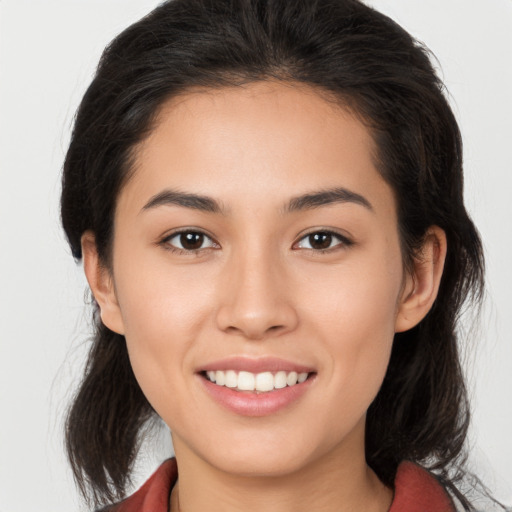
x,y
371,66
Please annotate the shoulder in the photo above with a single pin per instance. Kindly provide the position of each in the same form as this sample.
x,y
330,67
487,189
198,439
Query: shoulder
x,y
417,490
154,495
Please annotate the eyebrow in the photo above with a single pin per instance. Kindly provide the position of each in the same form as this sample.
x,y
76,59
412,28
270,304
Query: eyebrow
x,y
307,201
326,197
187,200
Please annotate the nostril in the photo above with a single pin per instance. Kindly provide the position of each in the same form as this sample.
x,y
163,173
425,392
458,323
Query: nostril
x,y
253,332
256,319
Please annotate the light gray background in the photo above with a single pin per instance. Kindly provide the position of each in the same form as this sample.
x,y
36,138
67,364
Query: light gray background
x,y
48,51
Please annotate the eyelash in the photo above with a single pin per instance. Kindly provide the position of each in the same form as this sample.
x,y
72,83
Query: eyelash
x,y
344,242
165,242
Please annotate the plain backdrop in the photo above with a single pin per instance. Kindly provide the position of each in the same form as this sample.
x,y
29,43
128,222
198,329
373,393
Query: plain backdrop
x,y
48,52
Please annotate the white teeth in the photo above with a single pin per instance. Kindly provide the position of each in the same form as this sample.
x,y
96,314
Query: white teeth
x,y
231,379
246,381
302,377
280,380
262,382
291,378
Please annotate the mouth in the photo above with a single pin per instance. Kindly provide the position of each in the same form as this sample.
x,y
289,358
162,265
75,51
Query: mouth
x,y
256,387
262,382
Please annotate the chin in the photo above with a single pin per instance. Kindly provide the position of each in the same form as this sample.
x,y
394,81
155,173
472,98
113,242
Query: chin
x,y
261,463
267,454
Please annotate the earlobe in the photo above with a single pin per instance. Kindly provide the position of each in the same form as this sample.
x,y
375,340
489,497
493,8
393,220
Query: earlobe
x,y
101,284
422,284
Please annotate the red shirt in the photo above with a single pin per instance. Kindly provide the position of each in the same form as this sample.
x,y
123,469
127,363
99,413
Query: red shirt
x,y
416,490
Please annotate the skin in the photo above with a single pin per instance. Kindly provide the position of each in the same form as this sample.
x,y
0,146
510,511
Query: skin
x,y
257,287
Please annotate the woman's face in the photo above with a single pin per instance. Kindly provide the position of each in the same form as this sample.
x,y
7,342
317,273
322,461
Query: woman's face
x,y
257,239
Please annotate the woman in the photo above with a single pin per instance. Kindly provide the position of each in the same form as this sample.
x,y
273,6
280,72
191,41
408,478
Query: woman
x,y
267,196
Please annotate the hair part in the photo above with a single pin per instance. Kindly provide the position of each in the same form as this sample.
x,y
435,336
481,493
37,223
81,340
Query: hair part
x,y
370,65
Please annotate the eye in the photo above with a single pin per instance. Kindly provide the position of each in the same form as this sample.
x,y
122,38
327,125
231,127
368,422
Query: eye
x,y
188,241
322,241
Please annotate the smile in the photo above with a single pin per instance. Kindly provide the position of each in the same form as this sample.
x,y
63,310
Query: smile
x,y
256,386
260,382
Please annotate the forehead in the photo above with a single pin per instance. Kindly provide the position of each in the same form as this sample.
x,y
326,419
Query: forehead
x,y
275,139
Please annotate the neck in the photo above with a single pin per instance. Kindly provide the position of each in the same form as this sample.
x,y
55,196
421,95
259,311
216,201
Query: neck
x,y
341,481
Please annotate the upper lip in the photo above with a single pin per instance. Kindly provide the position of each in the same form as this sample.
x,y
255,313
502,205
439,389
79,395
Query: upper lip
x,y
255,365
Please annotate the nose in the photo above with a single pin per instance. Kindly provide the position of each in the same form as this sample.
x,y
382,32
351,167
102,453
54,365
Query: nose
x,y
256,298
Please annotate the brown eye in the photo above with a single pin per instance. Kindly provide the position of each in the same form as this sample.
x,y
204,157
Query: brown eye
x,y
322,240
189,241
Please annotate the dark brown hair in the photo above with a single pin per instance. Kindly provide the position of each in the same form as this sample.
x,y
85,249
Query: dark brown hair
x,y
371,65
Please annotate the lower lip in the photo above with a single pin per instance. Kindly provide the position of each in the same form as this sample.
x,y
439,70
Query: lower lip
x,y
247,403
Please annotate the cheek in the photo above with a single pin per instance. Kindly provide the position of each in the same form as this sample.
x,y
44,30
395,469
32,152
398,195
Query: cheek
x,y
359,298
163,315
159,300
355,317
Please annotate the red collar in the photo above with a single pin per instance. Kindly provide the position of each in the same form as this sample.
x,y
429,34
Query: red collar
x,y
416,490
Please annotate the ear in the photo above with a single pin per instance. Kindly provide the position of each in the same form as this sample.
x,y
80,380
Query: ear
x,y
101,284
422,283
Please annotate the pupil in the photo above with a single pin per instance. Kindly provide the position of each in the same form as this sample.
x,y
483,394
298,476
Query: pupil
x,y
320,240
191,241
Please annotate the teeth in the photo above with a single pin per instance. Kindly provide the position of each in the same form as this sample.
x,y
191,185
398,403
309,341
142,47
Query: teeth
x,y
291,378
231,379
265,381
280,380
220,378
246,381
302,377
